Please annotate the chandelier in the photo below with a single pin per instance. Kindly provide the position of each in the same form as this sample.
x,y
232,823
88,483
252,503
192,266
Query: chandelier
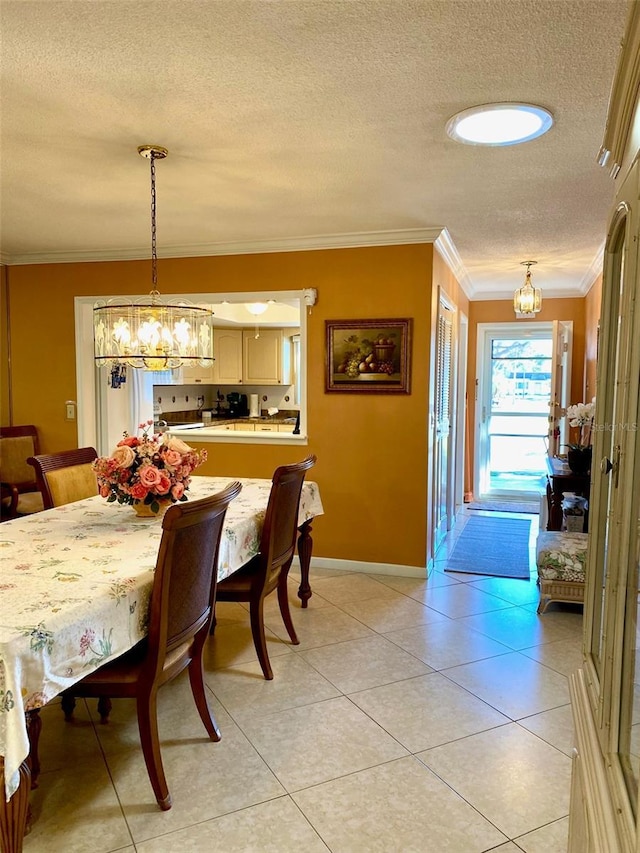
x,y
149,333
527,299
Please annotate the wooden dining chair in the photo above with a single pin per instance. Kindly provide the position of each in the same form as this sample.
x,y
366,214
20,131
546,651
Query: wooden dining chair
x,y
269,569
180,614
66,476
19,492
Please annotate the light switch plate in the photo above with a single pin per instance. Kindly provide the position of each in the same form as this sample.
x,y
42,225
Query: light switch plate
x,y
70,407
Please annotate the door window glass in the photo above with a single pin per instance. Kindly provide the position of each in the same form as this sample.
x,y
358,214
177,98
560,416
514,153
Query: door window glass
x,y
629,747
606,440
520,380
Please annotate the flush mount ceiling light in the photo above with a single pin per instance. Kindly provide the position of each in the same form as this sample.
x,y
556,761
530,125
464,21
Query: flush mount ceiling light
x,y
499,124
149,333
256,308
527,299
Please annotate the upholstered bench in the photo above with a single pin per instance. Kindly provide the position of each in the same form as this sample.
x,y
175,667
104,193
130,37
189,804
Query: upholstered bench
x,y
561,557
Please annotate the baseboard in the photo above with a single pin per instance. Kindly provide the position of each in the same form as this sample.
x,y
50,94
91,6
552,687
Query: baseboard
x,y
366,568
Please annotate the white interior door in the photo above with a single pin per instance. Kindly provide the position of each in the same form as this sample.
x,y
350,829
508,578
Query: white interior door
x,y
443,497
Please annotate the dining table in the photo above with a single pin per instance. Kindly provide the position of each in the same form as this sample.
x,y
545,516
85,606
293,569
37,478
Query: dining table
x,y
75,586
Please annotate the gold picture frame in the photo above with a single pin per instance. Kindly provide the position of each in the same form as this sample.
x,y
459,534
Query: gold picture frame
x,y
368,356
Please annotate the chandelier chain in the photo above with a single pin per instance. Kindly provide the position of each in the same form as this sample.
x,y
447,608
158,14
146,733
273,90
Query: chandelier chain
x,y
152,334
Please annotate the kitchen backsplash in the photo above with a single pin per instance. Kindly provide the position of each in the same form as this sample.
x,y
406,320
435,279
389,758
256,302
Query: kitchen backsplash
x,y
193,398
189,416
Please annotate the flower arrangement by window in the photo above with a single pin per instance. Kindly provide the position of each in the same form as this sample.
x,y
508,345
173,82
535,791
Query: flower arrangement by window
x,y
581,415
149,469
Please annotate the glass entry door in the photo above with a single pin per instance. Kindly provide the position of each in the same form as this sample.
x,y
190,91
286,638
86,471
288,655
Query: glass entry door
x,y
513,410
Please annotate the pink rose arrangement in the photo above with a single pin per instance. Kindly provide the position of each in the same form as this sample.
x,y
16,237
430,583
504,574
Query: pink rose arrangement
x,y
147,469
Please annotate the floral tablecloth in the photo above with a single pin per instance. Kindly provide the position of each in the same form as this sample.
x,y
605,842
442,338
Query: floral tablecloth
x,y
75,583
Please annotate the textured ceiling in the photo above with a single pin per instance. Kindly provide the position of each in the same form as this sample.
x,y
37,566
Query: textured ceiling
x,y
306,123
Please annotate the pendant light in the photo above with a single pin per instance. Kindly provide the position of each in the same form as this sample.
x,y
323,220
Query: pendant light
x,y
149,333
527,299
257,308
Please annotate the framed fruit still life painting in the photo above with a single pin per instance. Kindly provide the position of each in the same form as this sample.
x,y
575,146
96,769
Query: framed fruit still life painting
x,y
371,356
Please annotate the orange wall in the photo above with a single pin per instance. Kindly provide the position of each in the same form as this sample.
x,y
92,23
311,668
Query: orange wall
x,y
371,448
5,408
501,311
592,325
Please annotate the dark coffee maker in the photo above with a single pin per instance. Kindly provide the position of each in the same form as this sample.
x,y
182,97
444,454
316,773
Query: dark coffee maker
x,y
238,405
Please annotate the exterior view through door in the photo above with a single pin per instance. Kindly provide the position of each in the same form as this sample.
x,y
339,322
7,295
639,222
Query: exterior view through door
x,y
524,371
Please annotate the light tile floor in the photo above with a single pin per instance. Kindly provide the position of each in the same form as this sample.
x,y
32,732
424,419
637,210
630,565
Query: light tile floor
x,y
415,715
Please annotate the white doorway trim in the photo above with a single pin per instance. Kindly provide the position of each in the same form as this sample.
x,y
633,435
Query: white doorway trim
x,y
560,385
461,413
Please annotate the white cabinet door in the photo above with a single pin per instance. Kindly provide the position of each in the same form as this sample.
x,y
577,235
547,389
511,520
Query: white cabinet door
x,y
227,349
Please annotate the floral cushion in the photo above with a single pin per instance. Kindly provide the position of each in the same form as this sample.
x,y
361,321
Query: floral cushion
x,y
561,555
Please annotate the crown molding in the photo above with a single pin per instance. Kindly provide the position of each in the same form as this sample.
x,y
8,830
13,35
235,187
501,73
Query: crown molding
x,y
446,247
547,293
292,244
592,273
439,237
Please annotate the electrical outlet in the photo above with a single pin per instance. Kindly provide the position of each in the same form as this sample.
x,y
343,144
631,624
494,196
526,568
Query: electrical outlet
x,y
70,408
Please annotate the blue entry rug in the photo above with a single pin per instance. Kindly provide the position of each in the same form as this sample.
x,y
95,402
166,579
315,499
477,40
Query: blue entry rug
x,y
495,546
532,507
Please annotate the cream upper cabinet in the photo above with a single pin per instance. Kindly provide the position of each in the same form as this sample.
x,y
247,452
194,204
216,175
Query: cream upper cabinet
x,y
227,349
265,357
243,358
196,375
227,367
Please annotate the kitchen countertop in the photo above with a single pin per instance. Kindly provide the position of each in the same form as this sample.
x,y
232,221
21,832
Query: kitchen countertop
x,y
220,420
216,432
